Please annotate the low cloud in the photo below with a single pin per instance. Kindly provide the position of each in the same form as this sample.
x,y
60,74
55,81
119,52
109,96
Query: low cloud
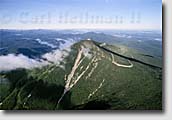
x,y
12,61
45,43
56,56
157,39
122,36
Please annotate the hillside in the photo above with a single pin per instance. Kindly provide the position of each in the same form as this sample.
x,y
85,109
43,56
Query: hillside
x,y
89,78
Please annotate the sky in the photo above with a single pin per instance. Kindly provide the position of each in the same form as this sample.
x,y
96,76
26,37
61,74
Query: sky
x,y
81,14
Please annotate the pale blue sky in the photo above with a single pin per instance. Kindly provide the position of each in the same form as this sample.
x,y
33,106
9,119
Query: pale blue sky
x,y
68,14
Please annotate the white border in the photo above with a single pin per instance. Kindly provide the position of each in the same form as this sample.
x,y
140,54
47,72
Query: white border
x,y
166,115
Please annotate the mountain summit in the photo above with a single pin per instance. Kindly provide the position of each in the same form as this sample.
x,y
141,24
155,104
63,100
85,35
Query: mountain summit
x,y
93,76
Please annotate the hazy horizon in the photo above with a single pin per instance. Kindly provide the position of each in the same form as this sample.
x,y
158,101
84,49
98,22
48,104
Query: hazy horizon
x,y
85,14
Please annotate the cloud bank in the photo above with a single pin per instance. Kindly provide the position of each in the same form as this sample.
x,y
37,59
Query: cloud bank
x,y
12,61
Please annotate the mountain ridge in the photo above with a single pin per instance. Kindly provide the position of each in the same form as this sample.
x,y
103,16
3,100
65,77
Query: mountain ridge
x,y
91,77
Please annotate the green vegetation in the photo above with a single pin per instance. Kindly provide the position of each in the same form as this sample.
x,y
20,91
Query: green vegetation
x,y
103,85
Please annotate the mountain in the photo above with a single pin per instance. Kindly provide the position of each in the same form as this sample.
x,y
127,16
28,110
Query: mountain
x,y
94,75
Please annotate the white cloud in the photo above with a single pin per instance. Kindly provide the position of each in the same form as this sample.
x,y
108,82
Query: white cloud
x,y
56,56
122,35
45,43
157,39
12,61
